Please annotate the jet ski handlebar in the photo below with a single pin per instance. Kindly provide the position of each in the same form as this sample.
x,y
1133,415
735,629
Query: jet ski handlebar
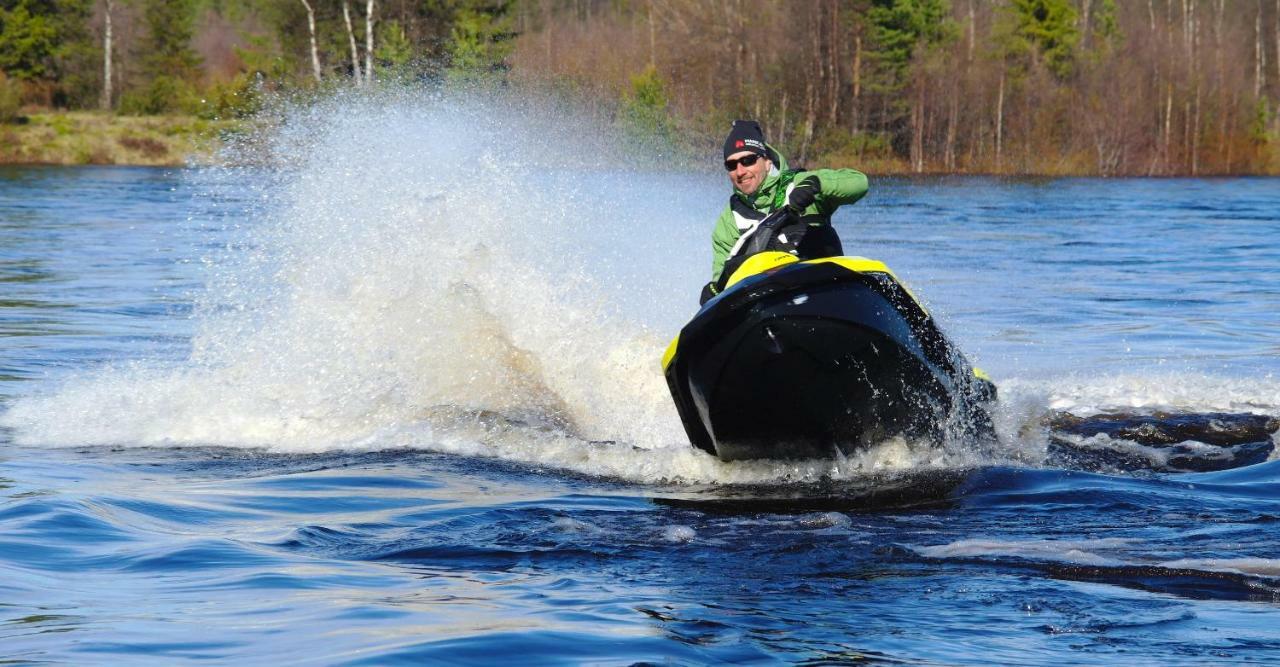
x,y
764,232
758,241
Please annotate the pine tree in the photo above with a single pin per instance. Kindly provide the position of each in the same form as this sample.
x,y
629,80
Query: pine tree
x,y
27,41
170,26
481,38
169,65
1044,29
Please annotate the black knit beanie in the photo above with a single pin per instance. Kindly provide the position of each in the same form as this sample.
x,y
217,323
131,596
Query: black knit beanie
x,y
746,135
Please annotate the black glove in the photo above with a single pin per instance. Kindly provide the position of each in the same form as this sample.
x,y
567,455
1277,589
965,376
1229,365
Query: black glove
x,y
803,194
708,291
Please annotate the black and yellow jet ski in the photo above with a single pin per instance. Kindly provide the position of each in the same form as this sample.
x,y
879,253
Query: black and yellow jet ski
x,y
802,359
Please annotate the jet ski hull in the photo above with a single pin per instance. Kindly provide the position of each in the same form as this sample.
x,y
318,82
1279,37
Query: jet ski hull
x,y
814,360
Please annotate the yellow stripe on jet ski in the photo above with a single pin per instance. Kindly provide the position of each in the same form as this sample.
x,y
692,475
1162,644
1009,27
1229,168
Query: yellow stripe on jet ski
x,y
759,263
670,353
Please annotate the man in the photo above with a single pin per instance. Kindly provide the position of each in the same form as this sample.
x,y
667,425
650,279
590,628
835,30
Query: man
x,y
762,184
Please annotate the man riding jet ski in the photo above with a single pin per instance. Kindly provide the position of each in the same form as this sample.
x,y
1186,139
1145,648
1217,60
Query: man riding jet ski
x,y
798,353
762,184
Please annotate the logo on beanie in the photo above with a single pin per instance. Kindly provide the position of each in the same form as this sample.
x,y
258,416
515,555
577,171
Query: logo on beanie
x,y
738,144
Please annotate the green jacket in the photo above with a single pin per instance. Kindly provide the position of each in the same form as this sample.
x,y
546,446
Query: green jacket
x,y
839,187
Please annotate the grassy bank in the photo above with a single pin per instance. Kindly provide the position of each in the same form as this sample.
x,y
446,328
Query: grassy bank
x,y
85,137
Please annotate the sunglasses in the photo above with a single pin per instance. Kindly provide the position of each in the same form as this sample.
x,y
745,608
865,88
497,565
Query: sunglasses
x,y
746,161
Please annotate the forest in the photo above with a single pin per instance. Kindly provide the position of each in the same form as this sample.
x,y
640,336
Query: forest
x,y
1045,87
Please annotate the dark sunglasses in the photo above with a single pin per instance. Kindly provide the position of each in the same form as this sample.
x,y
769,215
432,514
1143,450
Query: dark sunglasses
x,y
745,160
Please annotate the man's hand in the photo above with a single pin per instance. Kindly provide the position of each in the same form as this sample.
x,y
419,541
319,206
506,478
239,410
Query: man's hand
x,y
709,291
803,194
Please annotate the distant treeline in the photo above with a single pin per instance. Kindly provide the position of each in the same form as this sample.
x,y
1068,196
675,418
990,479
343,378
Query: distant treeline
x,y
217,57
998,86
1004,86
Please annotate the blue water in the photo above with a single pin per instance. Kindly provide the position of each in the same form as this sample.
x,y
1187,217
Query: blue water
x,y
396,398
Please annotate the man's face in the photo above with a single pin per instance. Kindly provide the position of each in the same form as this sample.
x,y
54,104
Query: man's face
x,y
748,179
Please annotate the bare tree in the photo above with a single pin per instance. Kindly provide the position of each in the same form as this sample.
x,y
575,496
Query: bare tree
x,y
368,41
105,101
351,37
1000,122
1259,59
311,31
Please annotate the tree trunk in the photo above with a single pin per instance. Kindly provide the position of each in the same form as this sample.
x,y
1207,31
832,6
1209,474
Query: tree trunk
x,y
952,120
368,41
740,50
1186,135
1084,22
819,62
548,26
1168,125
833,88
1195,135
355,51
917,129
810,113
1000,124
1259,58
311,31
105,102
1224,138
782,125
653,61
972,31
858,82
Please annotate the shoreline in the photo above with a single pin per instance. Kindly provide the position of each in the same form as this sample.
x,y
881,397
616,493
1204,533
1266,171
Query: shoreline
x,y
85,138
72,138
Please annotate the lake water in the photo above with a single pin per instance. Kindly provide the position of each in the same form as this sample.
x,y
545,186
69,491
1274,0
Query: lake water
x,y
397,399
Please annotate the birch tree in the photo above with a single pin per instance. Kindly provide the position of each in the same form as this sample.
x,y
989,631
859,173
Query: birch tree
x,y
311,32
105,101
351,37
368,41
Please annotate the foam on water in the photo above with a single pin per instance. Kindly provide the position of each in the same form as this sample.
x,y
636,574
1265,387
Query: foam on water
x,y
1079,552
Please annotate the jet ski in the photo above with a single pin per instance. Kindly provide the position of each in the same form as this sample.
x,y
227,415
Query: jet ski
x,y
818,358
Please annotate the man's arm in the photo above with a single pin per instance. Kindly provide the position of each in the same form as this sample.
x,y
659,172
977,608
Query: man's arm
x,y
837,188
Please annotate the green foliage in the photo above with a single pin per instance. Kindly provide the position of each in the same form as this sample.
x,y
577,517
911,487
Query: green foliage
x,y
163,94
10,100
1039,29
644,107
1106,37
839,144
61,125
1260,121
170,26
240,97
902,31
260,57
480,40
394,52
27,42
1108,24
